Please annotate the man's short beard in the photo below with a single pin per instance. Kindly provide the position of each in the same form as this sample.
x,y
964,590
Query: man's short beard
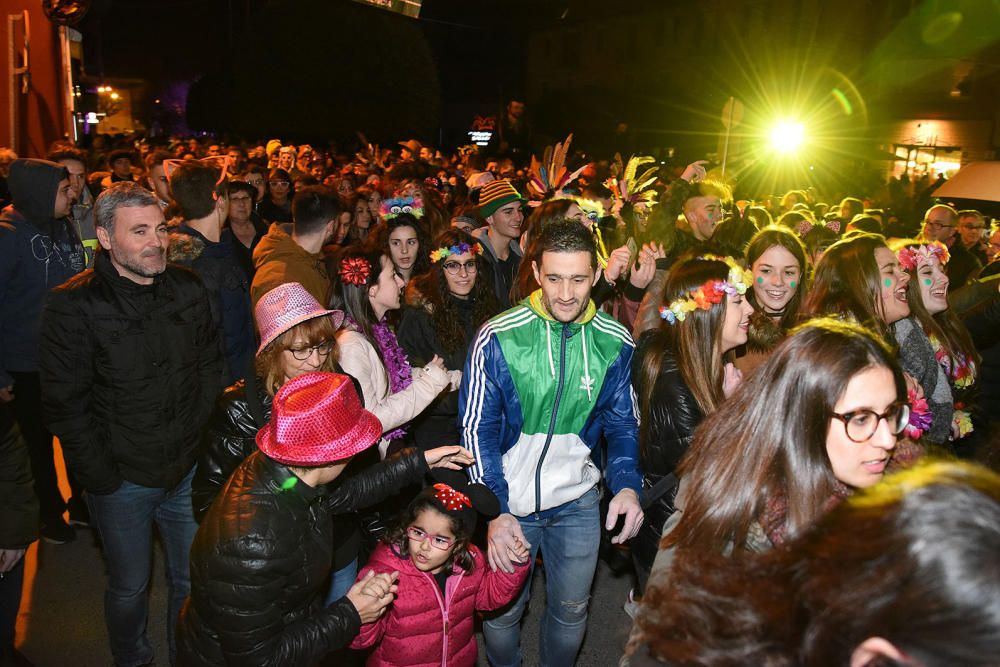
x,y
140,270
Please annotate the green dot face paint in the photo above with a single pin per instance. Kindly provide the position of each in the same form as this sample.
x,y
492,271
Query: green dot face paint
x,y
792,284
887,282
760,280
927,281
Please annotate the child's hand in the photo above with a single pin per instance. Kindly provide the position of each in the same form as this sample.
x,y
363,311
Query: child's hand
x,y
454,457
519,551
372,594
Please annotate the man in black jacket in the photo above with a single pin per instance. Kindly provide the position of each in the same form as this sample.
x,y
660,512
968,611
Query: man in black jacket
x,y
130,367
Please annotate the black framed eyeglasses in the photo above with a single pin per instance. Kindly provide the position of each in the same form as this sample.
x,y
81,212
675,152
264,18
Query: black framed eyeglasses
x,y
454,268
861,425
302,353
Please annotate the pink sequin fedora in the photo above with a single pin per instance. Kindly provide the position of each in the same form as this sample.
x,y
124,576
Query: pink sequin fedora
x,y
285,306
317,418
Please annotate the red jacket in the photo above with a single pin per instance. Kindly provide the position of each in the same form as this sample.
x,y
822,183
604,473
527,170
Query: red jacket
x,y
423,629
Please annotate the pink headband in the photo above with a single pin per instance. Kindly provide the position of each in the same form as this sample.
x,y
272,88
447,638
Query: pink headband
x,y
911,257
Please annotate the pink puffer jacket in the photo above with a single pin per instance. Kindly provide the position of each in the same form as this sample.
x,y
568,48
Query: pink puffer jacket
x,y
422,628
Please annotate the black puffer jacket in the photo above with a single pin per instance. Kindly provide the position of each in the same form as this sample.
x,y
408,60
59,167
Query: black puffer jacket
x,y
129,375
672,418
259,562
18,504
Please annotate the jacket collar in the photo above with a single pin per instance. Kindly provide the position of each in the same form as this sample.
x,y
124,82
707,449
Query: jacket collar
x,y
281,481
534,302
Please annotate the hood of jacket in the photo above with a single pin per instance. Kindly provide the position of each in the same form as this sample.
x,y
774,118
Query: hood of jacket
x,y
278,245
483,236
33,185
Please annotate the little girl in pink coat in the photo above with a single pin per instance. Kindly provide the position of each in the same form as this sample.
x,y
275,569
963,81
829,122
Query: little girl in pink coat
x,y
443,579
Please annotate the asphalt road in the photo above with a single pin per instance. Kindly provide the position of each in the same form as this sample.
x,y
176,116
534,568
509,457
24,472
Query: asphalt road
x,y
62,613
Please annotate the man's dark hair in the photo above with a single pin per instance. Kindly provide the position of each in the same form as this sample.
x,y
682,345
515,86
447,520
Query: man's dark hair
x,y
866,223
313,207
192,185
67,153
565,236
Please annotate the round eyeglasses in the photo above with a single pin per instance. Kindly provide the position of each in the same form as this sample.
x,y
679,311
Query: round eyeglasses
x,y
454,268
302,353
861,425
437,541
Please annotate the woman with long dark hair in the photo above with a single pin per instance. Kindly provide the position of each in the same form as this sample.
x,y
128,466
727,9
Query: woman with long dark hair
x,y
277,206
445,306
953,358
902,573
819,418
682,372
367,287
777,260
401,236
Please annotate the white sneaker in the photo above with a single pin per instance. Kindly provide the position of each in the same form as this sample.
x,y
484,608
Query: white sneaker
x,y
632,605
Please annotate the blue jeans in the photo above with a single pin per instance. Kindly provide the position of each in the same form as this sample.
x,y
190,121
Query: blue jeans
x,y
341,582
124,520
569,540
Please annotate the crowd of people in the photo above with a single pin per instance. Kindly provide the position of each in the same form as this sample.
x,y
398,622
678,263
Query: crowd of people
x,y
315,372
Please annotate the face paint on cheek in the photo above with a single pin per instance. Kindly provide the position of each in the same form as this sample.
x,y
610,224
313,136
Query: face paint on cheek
x,y
760,280
792,284
887,282
928,281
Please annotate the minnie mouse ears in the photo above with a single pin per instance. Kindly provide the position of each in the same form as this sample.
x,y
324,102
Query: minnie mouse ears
x,y
456,495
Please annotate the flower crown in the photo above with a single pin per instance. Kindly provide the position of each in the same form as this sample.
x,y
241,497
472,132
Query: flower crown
x,y
355,271
452,499
393,207
805,227
710,293
460,249
912,257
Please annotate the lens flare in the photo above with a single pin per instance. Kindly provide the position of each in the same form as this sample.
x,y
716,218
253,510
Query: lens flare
x,y
787,136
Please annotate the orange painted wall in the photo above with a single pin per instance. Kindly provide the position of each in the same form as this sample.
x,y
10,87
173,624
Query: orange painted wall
x,y
39,112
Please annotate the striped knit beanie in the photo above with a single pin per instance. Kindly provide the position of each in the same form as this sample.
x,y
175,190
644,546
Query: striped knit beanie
x,y
495,195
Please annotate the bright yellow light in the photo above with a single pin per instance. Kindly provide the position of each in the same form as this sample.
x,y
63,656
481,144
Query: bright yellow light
x,y
114,96
787,136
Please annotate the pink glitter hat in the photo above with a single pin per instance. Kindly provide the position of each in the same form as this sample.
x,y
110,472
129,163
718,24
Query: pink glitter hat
x,y
317,418
286,306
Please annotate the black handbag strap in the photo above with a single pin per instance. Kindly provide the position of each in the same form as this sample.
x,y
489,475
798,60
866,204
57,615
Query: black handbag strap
x,y
665,485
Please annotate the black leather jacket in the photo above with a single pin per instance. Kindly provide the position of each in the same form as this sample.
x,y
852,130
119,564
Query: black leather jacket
x,y
260,560
672,418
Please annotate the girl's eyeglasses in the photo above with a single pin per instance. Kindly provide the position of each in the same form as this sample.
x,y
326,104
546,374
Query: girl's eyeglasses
x,y
437,541
861,425
454,268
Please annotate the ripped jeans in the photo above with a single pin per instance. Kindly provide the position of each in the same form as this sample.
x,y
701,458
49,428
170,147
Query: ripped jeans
x,y
569,539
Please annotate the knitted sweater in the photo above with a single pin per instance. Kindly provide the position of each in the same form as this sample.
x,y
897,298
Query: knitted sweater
x,y
916,356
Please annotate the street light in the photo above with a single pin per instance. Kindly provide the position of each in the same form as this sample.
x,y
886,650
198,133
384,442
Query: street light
x,y
787,136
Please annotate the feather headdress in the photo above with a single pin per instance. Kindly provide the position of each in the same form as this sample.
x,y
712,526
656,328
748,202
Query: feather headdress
x,y
549,176
627,188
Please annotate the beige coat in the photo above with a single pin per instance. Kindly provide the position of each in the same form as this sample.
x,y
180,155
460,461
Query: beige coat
x,y
360,359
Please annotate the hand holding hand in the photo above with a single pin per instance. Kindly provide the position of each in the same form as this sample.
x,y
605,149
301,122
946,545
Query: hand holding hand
x,y
625,502
454,457
437,361
505,537
372,594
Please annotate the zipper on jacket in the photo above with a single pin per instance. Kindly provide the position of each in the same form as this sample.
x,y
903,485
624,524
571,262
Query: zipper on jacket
x,y
552,421
443,604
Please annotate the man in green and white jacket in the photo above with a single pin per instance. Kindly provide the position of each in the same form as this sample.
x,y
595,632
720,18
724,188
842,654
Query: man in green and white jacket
x,y
543,383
